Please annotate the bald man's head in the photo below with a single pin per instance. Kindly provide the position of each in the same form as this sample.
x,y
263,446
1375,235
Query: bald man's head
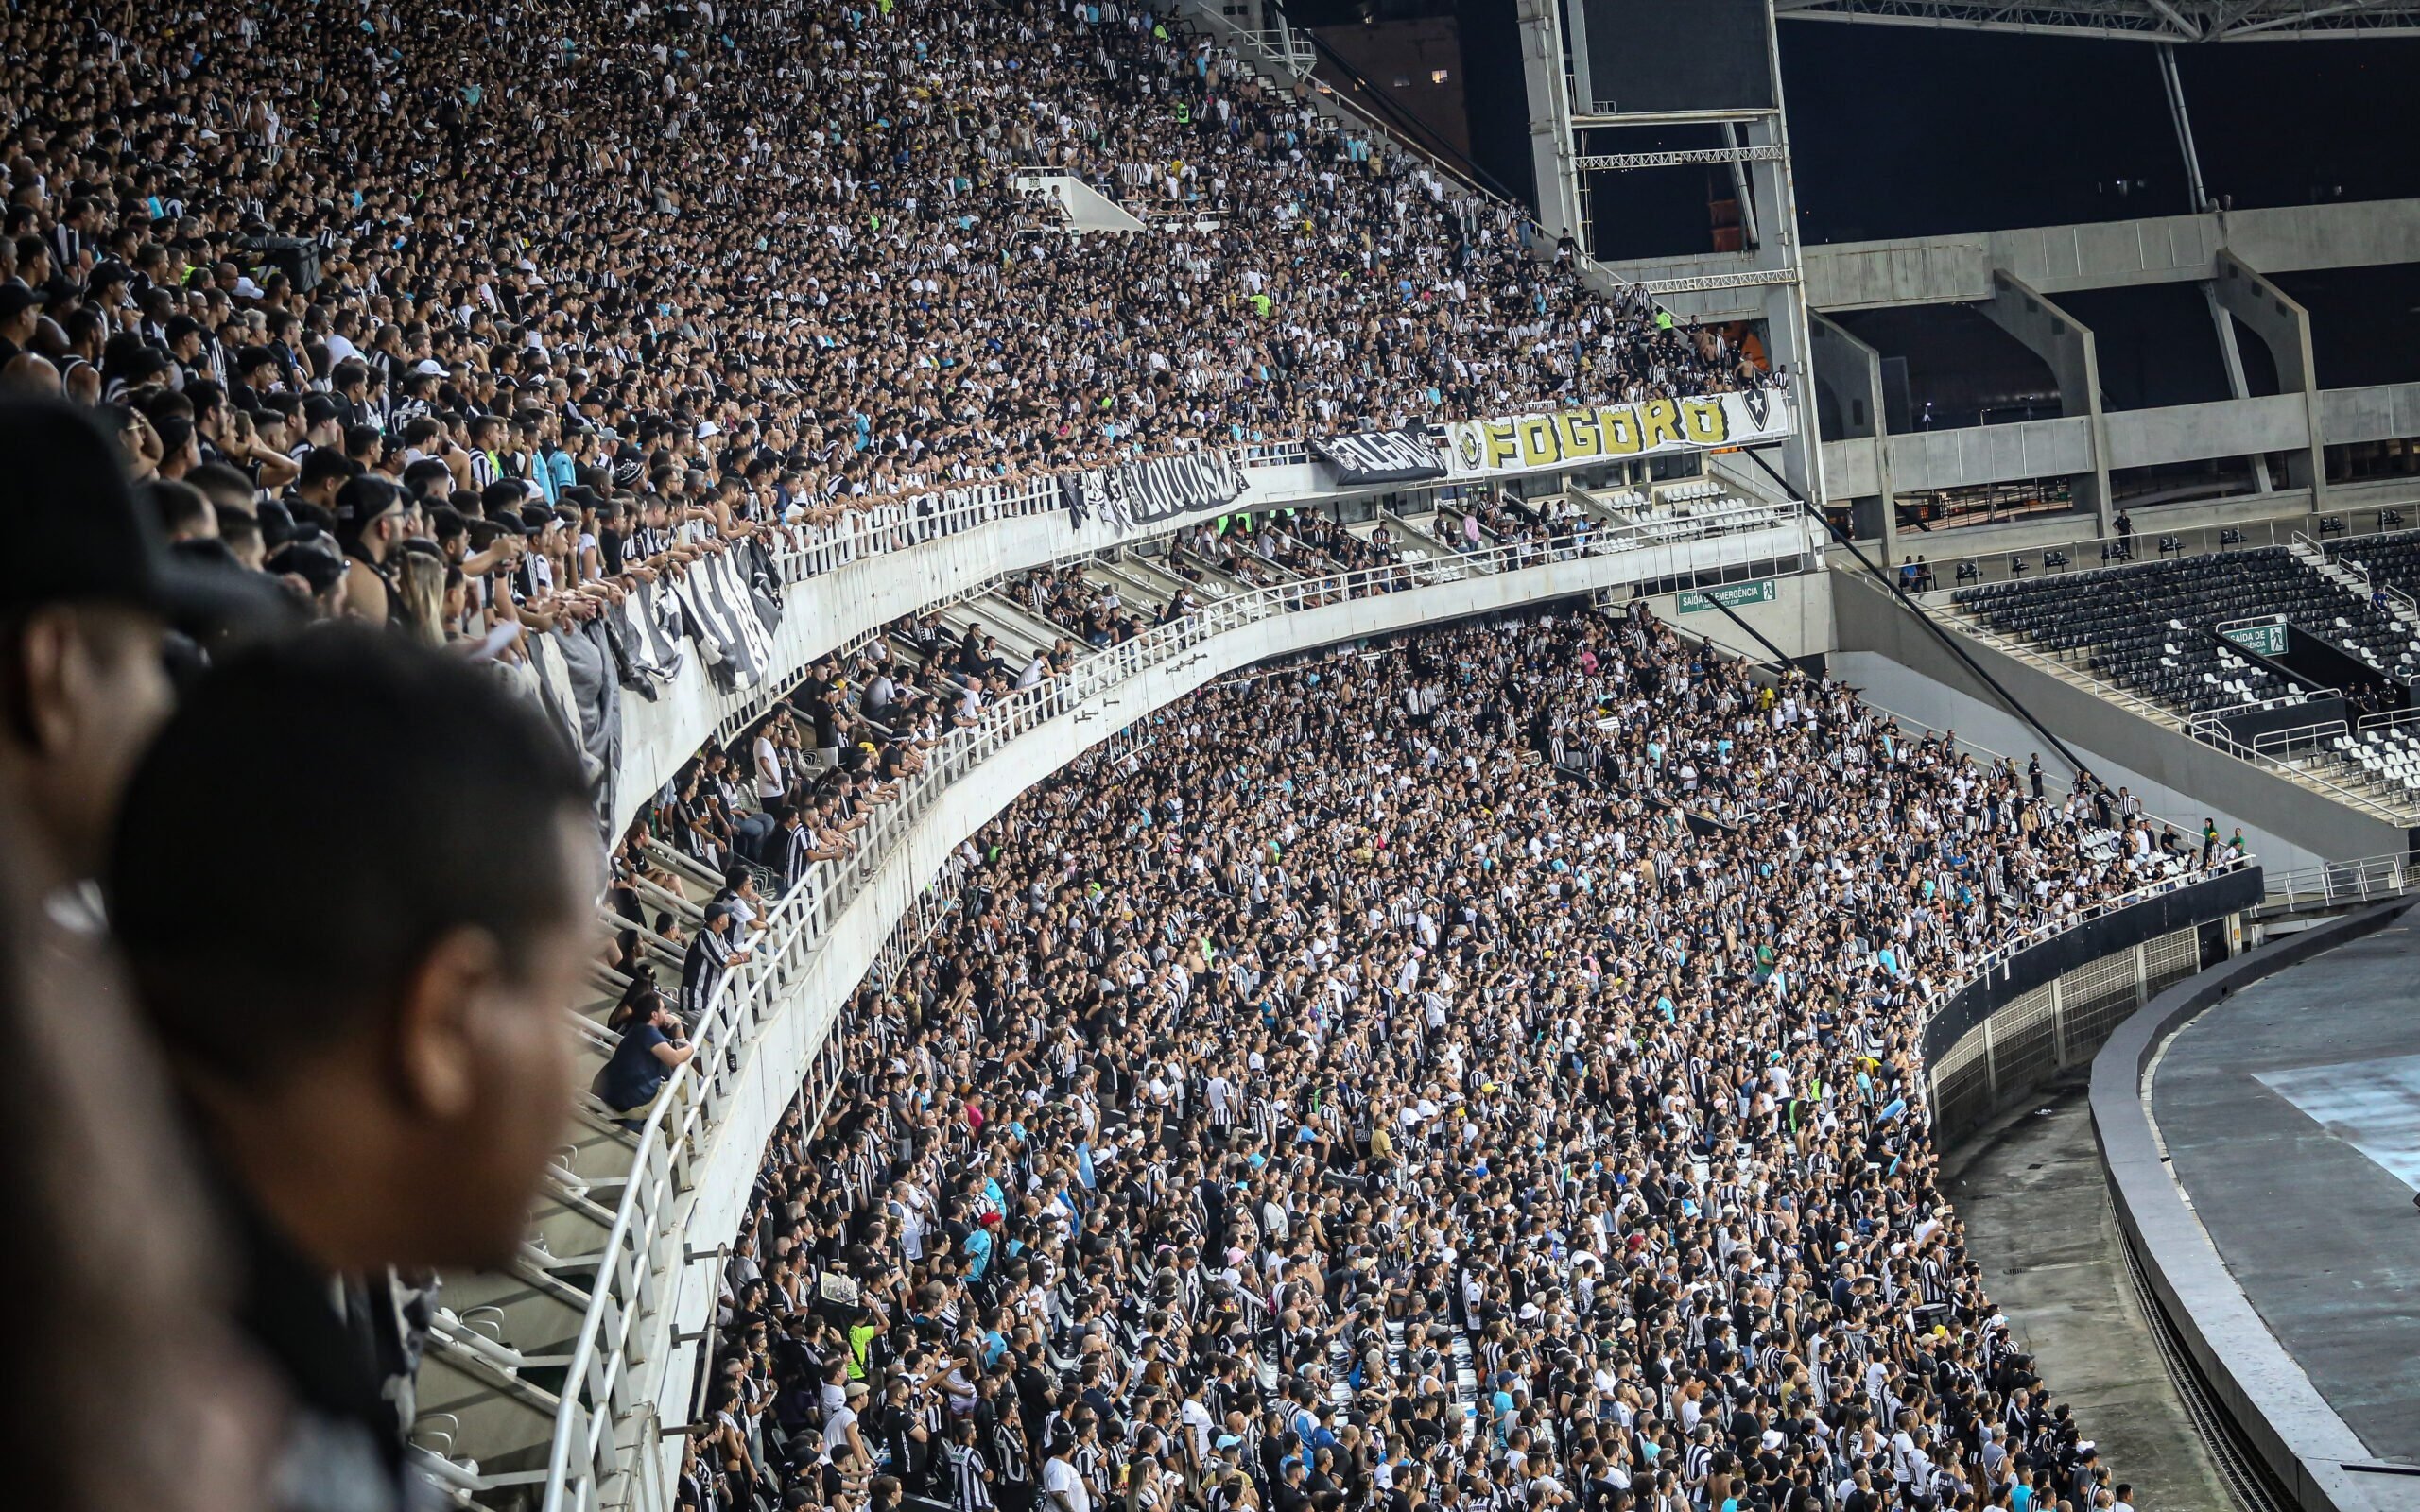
x,y
30,373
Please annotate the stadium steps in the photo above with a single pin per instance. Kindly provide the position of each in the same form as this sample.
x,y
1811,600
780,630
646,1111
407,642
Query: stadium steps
x,y
1134,595
1008,616
973,612
1428,561
501,1340
1206,582
1157,578
1086,209
1435,535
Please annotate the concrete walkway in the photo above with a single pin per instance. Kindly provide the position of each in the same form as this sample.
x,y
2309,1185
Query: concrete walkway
x,y
2038,1222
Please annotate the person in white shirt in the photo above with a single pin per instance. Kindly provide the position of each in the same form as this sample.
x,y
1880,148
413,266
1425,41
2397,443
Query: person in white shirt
x,y
768,767
1062,1489
840,1437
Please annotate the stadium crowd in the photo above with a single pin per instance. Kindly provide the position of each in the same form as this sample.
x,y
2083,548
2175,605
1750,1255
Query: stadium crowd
x,y
1522,1022
1535,1002
769,261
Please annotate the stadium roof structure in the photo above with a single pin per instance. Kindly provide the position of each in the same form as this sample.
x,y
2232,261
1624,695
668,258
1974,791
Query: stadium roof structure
x,y
2158,21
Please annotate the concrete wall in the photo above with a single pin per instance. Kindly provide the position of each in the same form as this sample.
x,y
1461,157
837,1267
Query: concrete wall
x,y
2225,427
1969,456
1798,621
2289,825
2374,414
2110,254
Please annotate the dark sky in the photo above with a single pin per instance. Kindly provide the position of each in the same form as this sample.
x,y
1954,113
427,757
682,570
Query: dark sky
x,y
1906,132
1901,132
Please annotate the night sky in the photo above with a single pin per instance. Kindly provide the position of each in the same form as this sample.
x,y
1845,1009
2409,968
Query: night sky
x,y
1907,132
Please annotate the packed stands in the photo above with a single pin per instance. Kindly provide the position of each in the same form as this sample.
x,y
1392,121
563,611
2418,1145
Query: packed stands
x,y
1260,1129
769,256
1484,1075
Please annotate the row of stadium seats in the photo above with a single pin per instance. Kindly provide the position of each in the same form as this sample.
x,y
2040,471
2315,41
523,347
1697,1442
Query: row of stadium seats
x,y
2151,627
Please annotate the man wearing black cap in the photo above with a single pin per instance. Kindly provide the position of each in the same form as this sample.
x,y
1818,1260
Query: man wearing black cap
x,y
86,590
20,311
370,525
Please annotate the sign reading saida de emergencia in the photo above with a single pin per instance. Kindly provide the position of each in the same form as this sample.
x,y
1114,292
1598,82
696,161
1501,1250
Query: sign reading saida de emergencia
x,y
1729,596
1497,448
2268,638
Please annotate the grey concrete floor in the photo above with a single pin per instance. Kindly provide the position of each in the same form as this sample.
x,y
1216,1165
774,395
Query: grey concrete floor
x,y
2039,1223
2317,1229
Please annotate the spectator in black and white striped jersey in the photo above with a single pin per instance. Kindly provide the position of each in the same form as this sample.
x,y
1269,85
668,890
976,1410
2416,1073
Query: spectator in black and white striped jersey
x,y
970,1476
712,954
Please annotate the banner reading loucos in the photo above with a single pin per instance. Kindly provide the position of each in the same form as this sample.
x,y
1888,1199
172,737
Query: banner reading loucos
x,y
1528,444
1140,493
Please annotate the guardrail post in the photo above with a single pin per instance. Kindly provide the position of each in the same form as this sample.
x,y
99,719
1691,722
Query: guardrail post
x,y
2058,1025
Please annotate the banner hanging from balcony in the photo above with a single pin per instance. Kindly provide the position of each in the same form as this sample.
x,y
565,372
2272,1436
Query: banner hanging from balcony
x,y
1654,427
1141,494
1380,456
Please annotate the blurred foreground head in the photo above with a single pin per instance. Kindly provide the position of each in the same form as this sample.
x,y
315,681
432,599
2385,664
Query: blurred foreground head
x,y
353,881
88,588
146,1400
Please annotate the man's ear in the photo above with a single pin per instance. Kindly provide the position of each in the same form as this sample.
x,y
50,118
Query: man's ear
x,y
35,679
437,1045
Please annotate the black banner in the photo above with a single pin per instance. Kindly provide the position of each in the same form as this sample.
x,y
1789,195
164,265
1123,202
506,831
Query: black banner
x,y
1381,456
2193,904
1142,494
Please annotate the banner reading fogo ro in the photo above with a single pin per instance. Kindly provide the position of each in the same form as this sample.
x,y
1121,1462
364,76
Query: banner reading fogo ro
x,y
1502,448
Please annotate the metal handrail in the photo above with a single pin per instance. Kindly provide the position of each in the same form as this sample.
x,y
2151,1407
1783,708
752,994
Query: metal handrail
x,y
2334,882
2001,955
799,921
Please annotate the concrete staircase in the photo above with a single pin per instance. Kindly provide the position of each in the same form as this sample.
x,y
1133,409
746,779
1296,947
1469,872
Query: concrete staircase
x,y
1086,208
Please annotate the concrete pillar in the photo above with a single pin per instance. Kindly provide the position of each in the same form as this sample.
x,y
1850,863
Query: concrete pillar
x,y
2231,358
1851,372
2284,327
1788,338
2067,344
1550,148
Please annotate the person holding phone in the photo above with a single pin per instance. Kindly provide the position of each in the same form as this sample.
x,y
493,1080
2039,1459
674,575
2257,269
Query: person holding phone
x,y
650,1049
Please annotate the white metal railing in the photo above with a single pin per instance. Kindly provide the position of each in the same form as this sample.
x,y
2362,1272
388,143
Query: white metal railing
x,y
2308,773
1281,45
1999,956
896,523
2335,882
2084,554
592,1441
